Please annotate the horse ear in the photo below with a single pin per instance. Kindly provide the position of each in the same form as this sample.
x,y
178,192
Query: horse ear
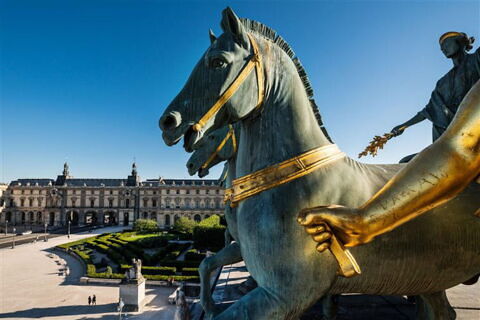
x,y
212,36
231,23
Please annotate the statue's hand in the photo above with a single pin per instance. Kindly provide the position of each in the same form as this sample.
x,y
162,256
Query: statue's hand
x,y
398,130
346,223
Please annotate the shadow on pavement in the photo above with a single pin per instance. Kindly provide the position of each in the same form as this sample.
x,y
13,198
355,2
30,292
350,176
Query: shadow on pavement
x,y
38,313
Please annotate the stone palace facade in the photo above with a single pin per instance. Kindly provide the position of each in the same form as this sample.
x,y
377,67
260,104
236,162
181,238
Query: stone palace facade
x,y
108,201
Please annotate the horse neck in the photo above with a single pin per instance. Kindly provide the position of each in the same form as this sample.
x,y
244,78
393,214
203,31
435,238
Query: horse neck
x,y
286,126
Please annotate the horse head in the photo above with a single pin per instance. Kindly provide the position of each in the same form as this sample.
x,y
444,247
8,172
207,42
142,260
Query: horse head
x,y
218,146
208,101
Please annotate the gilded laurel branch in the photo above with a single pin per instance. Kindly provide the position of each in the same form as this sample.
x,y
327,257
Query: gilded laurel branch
x,y
377,143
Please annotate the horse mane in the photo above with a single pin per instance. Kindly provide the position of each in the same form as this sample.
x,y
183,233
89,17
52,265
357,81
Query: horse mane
x,y
270,34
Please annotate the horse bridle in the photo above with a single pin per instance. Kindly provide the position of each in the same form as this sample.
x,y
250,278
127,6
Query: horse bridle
x,y
230,134
255,61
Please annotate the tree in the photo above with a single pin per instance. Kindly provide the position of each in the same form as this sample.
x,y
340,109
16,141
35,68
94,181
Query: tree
x,y
184,225
145,226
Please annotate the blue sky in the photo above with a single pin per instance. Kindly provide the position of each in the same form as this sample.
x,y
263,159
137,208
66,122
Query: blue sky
x,y
86,81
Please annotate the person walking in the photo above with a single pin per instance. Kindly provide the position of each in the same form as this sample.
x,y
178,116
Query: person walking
x,y
89,300
94,300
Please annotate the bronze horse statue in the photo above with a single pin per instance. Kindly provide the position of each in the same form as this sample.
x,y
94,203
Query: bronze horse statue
x,y
279,122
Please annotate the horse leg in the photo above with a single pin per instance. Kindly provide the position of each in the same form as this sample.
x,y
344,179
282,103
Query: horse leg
x,y
228,255
329,307
435,306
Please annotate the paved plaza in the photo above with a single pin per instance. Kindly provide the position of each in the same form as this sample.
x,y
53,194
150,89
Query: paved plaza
x,y
33,285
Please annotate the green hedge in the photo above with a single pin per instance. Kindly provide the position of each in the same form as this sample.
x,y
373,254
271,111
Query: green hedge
x,y
190,272
83,255
152,270
176,278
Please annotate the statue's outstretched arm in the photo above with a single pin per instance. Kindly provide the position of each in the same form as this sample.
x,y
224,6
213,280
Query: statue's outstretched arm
x,y
398,130
434,176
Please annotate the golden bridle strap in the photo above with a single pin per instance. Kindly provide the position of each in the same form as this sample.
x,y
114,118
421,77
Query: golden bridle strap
x,y
230,134
283,172
255,61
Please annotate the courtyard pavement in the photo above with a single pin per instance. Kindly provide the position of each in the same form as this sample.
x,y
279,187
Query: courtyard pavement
x,y
33,285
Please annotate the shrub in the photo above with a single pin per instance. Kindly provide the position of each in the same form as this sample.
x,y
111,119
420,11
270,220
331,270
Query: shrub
x,y
209,234
109,271
145,226
91,270
184,226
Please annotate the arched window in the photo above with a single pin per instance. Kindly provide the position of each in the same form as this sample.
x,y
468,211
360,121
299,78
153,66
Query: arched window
x,y
197,218
9,217
127,203
23,217
39,217
31,216
167,220
145,215
153,216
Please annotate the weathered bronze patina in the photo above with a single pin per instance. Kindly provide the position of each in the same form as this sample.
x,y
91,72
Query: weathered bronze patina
x,y
290,273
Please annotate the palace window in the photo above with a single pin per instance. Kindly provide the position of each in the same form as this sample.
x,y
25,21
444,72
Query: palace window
x,y
110,203
127,203
30,202
92,203
22,202
177,191
154,203
198,191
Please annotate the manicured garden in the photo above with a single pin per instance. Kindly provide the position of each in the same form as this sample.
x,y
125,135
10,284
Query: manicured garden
x,y
175,254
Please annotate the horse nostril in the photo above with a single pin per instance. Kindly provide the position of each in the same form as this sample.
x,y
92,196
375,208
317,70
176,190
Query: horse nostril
x,y
170,121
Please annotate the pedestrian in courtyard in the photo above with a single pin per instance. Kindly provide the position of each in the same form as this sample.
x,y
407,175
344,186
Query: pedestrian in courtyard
x,y
94,300
89,300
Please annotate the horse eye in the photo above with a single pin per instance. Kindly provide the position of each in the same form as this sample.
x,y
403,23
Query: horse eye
x,y
218,63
